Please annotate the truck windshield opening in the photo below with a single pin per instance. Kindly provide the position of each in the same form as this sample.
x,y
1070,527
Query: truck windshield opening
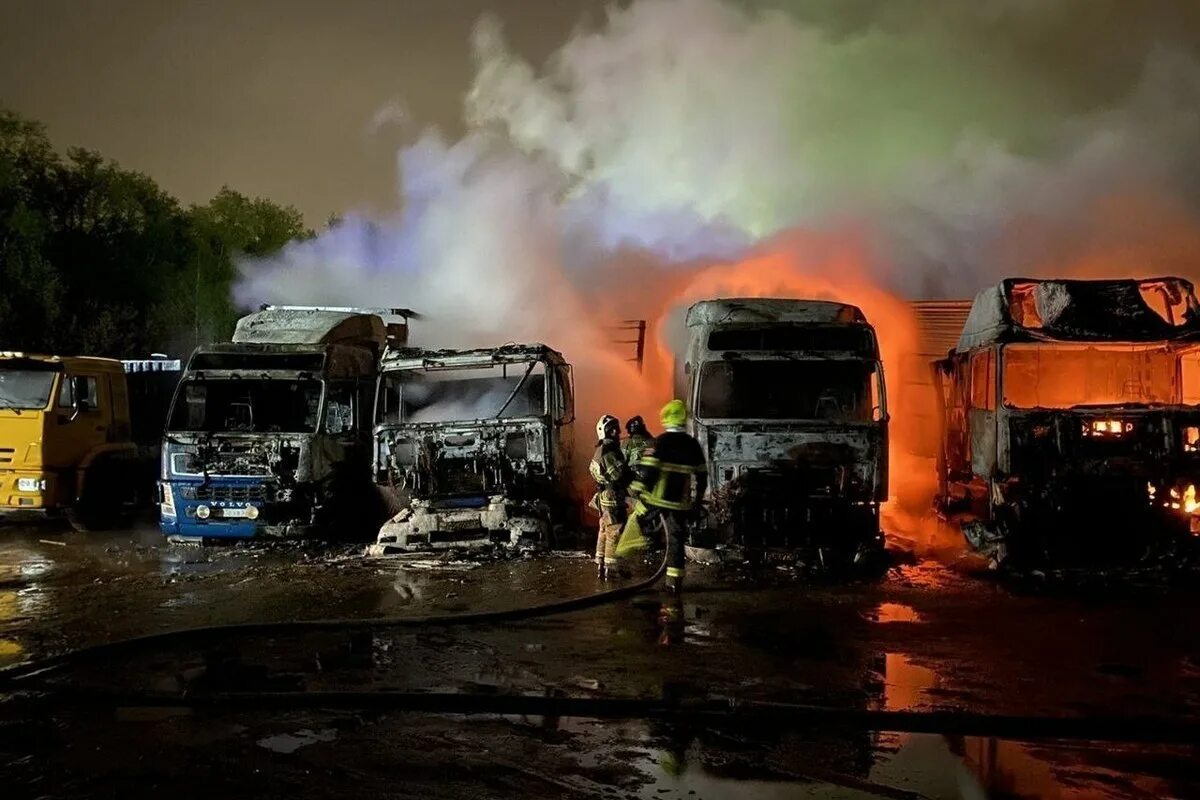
x,y
25,388
796,390
470,393
232,405
1063,376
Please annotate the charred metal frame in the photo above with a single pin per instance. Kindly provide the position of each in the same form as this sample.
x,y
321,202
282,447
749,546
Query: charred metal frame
x,y
1072,484
475,483
789,488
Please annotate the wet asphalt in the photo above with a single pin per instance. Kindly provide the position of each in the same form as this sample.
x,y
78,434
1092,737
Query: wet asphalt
x,y
935,634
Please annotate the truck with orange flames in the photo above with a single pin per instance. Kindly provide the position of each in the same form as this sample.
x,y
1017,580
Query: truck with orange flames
x,y
1070,420
789,404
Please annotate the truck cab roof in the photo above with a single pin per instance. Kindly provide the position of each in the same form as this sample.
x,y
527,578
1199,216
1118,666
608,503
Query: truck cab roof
x,y
1043,310
13,359
749,310
415,357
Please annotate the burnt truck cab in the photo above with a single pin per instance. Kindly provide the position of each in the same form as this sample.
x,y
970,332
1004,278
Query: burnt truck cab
x,y
1070,420
472,447
270,434
789,404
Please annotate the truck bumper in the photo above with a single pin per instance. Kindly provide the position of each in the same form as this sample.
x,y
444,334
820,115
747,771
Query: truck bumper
x,y
187,513
29,493
498,522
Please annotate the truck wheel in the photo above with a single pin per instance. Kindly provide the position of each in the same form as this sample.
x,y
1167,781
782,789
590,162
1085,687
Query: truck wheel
x,y
99,506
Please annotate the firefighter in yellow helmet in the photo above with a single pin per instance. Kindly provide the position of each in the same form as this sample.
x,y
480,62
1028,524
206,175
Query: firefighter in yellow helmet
x,y
612,476
671,476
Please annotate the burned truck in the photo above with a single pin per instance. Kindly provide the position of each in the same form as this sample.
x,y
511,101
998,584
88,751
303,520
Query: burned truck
x,y
1070,421
789,404
473,447
270,434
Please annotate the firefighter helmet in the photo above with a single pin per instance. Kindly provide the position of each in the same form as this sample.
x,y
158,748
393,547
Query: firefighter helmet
x,y
674,414
608,427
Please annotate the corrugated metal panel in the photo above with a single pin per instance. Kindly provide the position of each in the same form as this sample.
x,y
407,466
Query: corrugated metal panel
x,y
939,323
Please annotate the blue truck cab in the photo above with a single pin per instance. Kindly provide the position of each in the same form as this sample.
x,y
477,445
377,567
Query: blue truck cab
x,y
270,434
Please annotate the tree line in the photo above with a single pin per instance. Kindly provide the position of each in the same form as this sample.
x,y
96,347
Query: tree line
x,y
99,260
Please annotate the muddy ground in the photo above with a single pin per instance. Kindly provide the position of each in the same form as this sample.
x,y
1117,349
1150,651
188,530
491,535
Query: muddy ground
x,y
932,635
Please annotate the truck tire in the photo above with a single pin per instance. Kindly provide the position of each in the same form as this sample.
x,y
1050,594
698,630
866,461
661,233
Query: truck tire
x,y
100,505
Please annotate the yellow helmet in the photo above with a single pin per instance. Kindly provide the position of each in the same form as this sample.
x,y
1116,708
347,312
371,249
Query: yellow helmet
x,y
674,414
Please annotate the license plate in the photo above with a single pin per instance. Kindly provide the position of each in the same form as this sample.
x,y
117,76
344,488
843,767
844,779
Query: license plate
x,y
233,513
461,524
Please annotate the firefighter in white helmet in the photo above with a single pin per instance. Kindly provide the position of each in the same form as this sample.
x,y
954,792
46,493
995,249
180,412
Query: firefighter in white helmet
x,y
612,476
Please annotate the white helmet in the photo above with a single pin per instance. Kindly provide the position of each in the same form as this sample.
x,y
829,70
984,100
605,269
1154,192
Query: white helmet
x,y
609,427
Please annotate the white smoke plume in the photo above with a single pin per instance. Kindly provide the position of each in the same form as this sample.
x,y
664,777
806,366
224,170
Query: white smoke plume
x,y
955,142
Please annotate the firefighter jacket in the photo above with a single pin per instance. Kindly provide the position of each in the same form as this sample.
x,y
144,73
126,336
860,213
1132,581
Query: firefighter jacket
x,y
634,446
672,473
612,475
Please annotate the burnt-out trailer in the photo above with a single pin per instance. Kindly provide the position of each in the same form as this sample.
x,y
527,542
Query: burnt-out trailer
x,y
1070,420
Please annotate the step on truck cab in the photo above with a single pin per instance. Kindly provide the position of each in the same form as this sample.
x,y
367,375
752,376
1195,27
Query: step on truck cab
x,y
788,402
1070,420
473,447
270,434
79,435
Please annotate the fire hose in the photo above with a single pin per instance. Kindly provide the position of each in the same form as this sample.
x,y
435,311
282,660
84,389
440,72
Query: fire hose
x,y
1130,729
29,669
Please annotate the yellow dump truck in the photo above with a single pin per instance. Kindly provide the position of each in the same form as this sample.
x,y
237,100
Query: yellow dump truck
x,y
79,436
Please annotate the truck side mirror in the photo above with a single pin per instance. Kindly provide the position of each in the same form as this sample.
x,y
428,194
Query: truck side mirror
x,y
567,393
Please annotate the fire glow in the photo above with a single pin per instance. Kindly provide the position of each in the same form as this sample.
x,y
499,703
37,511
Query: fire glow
x,y
1177,500
1102,428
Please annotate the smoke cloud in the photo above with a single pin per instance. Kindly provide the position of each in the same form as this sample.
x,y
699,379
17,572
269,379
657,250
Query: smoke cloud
x,y
943,144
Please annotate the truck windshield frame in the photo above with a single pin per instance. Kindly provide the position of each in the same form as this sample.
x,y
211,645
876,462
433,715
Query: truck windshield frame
x,y
817,390
462,393
26,389
1069,375
248,405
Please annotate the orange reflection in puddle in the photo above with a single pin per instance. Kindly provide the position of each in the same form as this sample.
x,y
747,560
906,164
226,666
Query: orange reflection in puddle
x,y
896,612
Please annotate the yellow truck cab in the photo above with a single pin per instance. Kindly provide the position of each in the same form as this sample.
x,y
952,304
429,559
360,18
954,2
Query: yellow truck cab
x,y
68,442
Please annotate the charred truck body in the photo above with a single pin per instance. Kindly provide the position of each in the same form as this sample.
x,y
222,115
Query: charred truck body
x,y
270,434
789,405
1071,419
472,447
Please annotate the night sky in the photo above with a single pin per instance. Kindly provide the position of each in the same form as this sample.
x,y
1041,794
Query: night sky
x,y
272,97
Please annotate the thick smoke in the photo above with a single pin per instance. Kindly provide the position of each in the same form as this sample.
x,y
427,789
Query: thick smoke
x,y
944,144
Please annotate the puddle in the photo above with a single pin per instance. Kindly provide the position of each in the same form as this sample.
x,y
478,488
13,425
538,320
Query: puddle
x,y
291,742
896,612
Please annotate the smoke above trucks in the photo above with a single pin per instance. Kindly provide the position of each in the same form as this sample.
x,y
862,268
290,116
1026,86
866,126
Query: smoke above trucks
x,y
859,151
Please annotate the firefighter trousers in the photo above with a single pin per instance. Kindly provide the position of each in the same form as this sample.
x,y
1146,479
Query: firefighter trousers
x,y
670,527
606,541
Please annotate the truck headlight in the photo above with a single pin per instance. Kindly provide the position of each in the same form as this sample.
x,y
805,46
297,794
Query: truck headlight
x,y
203,512
251,512
31,484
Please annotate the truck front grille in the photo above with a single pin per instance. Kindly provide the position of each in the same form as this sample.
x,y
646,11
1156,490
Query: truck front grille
x,y
232,494
6,455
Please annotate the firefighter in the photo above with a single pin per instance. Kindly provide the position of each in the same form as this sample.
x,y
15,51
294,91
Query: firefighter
x,y
612,476
638,440
670,479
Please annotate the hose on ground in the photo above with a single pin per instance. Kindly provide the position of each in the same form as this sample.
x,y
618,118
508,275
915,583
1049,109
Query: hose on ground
x,y
29,669
702,712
